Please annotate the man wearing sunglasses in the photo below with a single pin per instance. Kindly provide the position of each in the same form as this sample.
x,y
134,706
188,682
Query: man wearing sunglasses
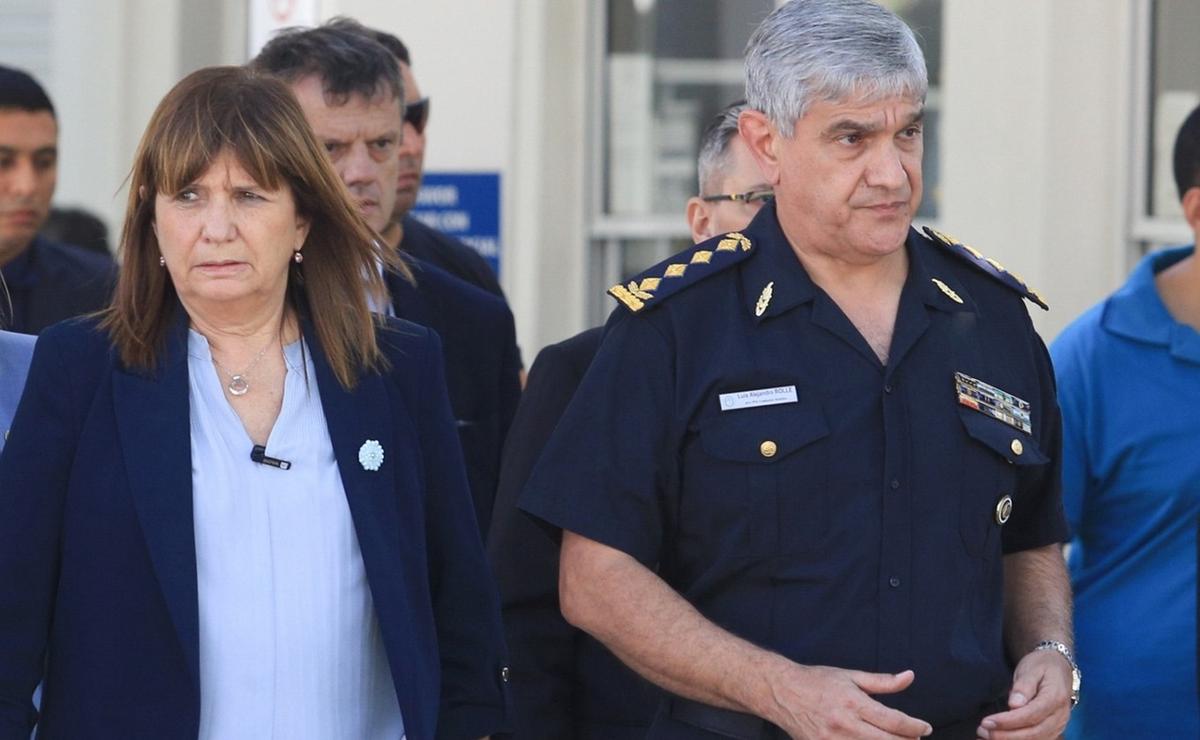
x,y
410,235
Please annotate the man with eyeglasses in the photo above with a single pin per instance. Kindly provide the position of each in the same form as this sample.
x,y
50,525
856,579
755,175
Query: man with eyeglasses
x,y
732,188
809,485
567,685
352,95
404,231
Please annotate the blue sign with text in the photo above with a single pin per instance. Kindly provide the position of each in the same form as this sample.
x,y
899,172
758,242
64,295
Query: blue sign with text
x,y
465,205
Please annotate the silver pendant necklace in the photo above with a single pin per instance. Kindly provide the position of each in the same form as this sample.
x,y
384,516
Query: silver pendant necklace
x,y
239,383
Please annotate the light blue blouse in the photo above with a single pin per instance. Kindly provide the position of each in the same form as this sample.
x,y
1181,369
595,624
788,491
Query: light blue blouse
x,y
290,645
16,350
1129,387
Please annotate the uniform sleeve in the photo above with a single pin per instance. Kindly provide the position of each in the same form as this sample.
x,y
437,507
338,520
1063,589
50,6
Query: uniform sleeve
x,y
474,697
34,472
612,458
1039,520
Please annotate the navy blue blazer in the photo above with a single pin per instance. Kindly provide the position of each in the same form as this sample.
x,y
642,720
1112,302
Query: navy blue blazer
x,y
482,366
97,551
49,282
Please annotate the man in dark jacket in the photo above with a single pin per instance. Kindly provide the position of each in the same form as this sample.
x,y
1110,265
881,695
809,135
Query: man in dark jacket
x,y
46,281
411,235
352,95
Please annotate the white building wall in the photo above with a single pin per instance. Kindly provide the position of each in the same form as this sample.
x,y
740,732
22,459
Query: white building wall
x,y
1037,98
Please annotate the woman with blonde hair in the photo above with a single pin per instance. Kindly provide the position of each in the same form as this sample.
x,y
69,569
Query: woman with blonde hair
x,y
234,504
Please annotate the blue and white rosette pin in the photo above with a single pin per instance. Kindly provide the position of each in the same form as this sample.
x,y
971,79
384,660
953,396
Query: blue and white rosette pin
x,y
370,455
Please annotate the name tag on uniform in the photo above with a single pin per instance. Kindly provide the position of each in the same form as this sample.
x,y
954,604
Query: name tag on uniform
x,y
760,397
990,400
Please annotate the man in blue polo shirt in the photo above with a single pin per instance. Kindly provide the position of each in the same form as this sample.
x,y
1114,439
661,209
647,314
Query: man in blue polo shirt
x,y
809,485
1129,385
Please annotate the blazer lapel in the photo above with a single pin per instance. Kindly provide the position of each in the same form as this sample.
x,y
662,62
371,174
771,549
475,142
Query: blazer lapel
x,y
153,422
354,417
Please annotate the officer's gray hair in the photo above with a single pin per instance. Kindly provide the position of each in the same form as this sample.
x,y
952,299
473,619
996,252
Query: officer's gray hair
x,y
714,145
810,50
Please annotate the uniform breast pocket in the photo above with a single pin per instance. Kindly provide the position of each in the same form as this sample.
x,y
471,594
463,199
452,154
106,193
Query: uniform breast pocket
x,y
988,496
760,476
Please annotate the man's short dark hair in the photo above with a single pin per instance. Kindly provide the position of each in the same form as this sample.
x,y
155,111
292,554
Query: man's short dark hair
x,y
1187,153
342,52
392,44
19,90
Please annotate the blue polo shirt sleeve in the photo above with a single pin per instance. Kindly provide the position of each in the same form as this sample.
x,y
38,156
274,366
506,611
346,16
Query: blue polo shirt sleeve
x,y
1037,517
1071,369
605,471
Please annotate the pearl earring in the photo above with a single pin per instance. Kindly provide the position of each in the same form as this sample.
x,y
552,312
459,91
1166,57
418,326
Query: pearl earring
x,y
162,261
297,256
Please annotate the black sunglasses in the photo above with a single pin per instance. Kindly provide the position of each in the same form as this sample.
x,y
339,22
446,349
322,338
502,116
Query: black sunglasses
x,y
752,196
417,114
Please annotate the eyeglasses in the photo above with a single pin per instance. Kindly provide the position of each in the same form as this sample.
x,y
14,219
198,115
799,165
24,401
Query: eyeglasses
x,y
752,196
417,114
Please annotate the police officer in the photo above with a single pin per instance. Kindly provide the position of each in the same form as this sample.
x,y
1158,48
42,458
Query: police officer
x,y
809,485
565,685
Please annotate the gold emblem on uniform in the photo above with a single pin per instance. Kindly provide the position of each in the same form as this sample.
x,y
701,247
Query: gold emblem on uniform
x,y
768,448
1003,509
732,241
947,290
764,299
1017,447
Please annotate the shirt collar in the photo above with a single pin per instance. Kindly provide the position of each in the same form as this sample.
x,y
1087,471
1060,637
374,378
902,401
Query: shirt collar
x,y
775,279
1136,311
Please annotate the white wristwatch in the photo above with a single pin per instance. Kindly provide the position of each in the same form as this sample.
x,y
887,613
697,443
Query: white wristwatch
x,y
1063,650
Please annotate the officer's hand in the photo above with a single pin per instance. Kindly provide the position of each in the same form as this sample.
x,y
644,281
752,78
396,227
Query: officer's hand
x,y
820,702
1039,702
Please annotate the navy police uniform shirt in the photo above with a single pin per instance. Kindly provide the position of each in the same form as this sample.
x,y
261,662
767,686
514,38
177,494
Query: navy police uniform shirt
x,y
737,434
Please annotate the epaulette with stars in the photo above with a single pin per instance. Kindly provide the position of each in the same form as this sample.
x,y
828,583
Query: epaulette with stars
x,y
986,264
681,270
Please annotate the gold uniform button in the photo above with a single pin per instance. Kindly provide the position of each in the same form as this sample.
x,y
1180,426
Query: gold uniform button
x,y
768,448
1017,447
1003,509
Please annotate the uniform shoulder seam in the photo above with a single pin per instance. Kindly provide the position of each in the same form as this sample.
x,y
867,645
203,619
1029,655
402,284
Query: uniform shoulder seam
x,y
987,265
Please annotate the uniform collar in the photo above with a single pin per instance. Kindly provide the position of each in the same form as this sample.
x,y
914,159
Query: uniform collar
x,y
1136,311
773,280
931,282
776,280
